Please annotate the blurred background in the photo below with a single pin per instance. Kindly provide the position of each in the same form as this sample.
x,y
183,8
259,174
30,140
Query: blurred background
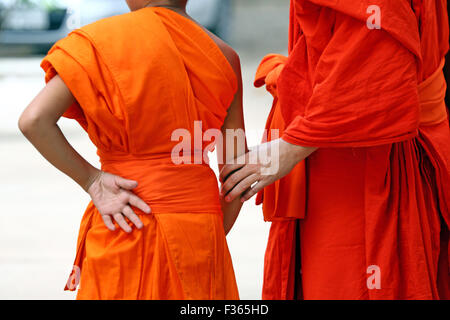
x,y
42,208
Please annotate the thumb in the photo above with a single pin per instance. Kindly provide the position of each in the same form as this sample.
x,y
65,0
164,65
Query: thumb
x,y
125,183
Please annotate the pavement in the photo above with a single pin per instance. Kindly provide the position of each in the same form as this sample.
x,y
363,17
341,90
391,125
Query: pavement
x,y
42,208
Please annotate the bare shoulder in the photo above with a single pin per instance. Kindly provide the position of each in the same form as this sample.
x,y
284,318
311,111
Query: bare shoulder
x,y
228,51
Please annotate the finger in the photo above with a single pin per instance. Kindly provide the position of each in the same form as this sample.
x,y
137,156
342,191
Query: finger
x,y
242,187
129,213
137,202
229,169
252,191
125,183
108,222
234,179
118,217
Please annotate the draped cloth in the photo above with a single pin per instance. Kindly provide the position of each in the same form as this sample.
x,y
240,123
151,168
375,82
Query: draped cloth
x,y
376,210
137,78
292,206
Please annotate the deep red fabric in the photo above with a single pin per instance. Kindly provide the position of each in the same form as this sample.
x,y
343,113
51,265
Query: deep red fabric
x,y
377,191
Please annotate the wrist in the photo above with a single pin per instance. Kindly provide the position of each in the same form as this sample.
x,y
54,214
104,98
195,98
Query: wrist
x,y
93,175
299,153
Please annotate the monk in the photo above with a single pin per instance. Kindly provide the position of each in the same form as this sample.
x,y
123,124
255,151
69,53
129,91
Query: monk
x,y
360,98
155,228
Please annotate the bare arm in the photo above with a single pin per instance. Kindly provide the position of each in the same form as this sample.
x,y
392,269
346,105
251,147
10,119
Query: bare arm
x,y
38,124
111,194
233,121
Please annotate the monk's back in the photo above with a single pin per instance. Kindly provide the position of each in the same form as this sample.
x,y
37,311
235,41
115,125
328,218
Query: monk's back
x,y
165,72
144,78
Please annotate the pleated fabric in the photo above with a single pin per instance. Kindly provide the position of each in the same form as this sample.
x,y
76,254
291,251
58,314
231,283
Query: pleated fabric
x,y
375,216
137,78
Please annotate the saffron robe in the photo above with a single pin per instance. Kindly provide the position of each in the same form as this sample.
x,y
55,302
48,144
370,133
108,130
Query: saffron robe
x,y
377,204
137,78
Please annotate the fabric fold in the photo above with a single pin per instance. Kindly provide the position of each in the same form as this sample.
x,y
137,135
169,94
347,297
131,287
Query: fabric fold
x,y
285,198
138,79
377,203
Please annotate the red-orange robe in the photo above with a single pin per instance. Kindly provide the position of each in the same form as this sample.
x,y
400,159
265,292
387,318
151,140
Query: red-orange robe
x,y
377,200
137,78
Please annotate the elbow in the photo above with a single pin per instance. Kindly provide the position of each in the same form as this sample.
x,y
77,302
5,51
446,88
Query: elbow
x,y
29,123
25,124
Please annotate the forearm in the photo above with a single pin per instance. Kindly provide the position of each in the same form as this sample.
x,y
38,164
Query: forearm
x,y
48,139
39,124
297,152
230,213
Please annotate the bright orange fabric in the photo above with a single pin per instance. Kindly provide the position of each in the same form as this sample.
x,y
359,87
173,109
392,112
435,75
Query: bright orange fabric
x,y
137,78
377,189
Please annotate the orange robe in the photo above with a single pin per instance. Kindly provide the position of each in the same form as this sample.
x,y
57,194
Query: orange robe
x,y
137,78
377,201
